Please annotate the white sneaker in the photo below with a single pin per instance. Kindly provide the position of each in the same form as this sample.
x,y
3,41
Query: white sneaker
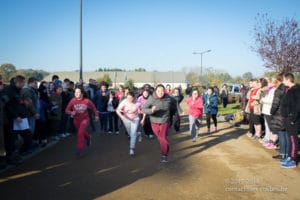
x,y
151,136
62,135
55,137
131,152
140,138
67,134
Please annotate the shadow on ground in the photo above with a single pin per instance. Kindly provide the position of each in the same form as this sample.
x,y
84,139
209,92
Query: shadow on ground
x,y
105,167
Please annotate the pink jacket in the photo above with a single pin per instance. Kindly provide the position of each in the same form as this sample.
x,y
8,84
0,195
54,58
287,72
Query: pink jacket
x,y
195,106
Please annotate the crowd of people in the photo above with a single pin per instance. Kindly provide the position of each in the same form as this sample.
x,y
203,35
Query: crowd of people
x,y
273,106
33,113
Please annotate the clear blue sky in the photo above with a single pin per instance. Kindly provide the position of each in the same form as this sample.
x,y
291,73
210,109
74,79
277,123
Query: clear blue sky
x,y
153,34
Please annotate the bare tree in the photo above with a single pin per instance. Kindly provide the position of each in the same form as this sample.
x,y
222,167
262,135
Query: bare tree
x,y
278,43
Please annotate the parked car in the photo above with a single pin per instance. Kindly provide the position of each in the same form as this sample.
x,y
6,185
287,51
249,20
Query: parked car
x,y
234,93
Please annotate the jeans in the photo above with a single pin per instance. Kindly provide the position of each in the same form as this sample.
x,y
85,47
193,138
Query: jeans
x,y
131,127
103,118
113,119
283,143
194,125
267,127
32,123
63,123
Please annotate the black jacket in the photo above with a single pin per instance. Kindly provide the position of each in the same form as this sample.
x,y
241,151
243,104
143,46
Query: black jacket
x,y
277,122
14,103
290,106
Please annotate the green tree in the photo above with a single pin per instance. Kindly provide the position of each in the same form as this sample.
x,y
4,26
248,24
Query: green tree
x,y
247,76
192,78
217,77
7,71
106,79
129,83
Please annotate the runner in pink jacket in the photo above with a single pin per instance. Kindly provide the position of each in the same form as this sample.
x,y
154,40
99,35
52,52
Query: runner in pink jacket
x,y
195,105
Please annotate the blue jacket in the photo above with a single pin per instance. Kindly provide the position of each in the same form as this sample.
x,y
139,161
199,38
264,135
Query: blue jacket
x,y
210,103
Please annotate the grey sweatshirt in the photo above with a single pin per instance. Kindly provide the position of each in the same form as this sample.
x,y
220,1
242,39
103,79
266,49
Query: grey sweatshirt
x,y
165,107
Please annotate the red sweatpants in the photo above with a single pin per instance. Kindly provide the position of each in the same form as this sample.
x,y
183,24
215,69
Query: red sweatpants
x,y
82,134
161,132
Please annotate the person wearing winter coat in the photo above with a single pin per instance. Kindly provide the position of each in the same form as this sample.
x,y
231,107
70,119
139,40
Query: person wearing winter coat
x,y
195,105
113,119
158,107
277,119
266,102
176,117
210,101
291,112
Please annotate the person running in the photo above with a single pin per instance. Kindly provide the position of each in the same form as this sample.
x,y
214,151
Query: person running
x,y
210,100
78,108
147,124
159,106
176,117
128,113
195,104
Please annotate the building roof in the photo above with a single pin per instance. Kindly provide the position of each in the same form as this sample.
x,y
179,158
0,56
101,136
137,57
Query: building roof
x,y
121,76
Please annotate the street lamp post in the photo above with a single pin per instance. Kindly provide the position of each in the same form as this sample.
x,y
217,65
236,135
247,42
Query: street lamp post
x,y
201,54
80,70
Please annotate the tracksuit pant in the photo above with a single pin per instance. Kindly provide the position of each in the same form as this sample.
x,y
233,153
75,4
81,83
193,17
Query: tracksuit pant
x,y
82,134
161,132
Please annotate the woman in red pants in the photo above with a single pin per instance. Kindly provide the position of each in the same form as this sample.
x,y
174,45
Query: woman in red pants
x,y
159,107
78,109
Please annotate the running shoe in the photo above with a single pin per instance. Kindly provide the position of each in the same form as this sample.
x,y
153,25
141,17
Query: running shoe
x,y
285,160
164,159
289,164
271,146
131,152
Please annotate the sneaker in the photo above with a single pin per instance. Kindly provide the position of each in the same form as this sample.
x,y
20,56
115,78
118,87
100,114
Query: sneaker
x,y
79,153
194,139
62,135
151,136
164,159
266,143
117,133
216,130
261,140
271,146
289,164
110,132
278,156
250,135
254,137
285,160
56,138
131,152
208,130
67,134
89,141
140,138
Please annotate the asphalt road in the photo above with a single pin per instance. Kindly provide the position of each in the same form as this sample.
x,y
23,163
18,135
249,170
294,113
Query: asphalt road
x,y
223,165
